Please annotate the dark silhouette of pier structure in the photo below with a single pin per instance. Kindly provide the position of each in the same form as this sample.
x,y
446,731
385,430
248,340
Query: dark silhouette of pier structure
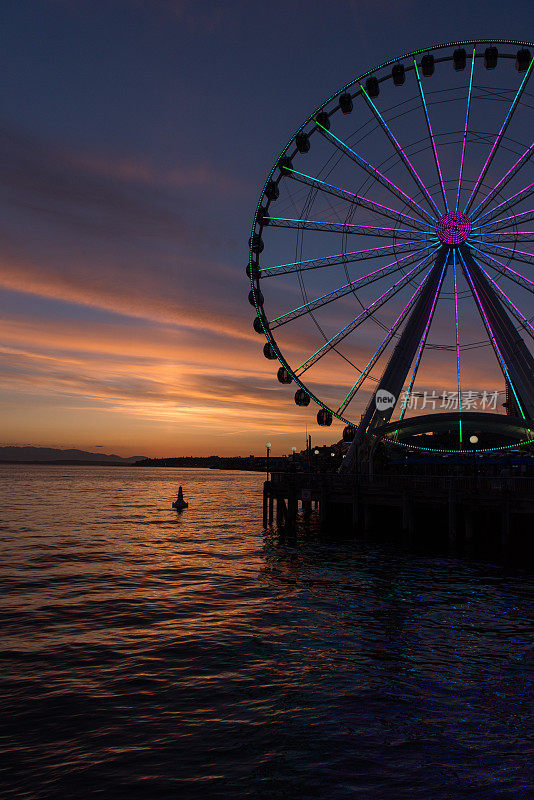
x,y
458,509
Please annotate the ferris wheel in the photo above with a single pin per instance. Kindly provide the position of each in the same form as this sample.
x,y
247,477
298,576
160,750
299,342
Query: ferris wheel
x,y
389,258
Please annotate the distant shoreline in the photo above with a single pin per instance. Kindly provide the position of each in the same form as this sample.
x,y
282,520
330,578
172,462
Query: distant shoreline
x,y
31,454
241,468
65,463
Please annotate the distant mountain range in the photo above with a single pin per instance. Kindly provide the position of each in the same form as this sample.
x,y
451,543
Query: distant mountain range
x,y
51,455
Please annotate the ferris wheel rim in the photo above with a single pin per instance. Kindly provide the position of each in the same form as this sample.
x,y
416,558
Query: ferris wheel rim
x,y
423,213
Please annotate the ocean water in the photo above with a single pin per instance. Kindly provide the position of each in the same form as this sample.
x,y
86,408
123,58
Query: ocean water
x,y
151,654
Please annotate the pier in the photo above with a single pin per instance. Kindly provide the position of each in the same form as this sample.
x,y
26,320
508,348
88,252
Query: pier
x,y
487,510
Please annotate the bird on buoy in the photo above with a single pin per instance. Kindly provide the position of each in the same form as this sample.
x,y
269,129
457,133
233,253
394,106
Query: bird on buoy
x,y
180,503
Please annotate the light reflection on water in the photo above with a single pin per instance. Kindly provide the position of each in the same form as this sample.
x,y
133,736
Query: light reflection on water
x,y
148,654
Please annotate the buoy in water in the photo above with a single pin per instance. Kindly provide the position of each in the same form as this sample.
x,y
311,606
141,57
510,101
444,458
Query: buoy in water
x,y
180,503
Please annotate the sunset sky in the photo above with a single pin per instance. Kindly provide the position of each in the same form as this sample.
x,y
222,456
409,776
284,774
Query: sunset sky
x,y
136,137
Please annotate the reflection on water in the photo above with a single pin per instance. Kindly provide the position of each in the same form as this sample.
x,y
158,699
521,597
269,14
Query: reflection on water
x,y
147,653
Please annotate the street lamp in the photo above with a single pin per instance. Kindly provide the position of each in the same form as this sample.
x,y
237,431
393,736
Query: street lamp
x,y
316,453
268,447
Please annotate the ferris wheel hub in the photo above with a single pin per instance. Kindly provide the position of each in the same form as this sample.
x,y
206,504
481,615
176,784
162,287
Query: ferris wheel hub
x,y
453,228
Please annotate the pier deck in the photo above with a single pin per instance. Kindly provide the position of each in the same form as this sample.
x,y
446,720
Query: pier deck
x,y
460,506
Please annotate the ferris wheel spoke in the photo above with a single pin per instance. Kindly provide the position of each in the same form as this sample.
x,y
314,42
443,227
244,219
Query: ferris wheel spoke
x,y
341,258
424,337
431,135
527,191
400,152
357,321
509,236
354,199
512,172
499,137
505,222
348,288
466,127
489,331
504,270
341,227
382,346
375,173
514,310
517,255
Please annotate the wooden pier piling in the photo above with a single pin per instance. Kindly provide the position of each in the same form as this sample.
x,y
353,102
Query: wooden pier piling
x,y
452,517
457,508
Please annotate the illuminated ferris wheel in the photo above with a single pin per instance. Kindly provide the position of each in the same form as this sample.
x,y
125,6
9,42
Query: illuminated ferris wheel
x,y
389,249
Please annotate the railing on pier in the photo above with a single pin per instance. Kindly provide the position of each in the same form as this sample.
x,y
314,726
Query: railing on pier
x,y
462,483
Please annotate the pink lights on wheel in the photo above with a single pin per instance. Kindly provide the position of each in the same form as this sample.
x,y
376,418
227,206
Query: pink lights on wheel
x,y
453,228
